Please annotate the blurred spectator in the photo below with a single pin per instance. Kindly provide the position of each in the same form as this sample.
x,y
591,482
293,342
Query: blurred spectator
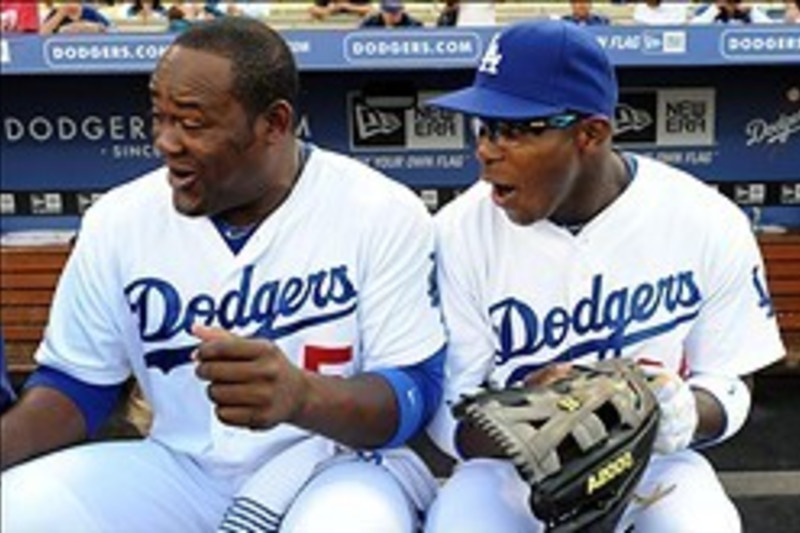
x,y
448,14
182,14
146,11
323,9
655,12
74,17
792,14
467,14
213,9
256,10
176,19
477,14
392,15
583,16
731,12
19,17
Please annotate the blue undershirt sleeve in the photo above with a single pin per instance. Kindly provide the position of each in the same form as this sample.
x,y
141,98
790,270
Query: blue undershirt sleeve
x,y
418,389
96,402
7,395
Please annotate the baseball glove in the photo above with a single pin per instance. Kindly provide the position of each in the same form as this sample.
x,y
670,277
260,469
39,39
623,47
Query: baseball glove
x,y
581,442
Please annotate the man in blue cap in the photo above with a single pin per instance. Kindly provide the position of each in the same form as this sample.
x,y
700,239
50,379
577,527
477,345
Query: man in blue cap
x,y
392,15
569,251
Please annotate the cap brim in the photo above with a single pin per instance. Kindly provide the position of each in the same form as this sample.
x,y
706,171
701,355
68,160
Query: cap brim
x,y
482,102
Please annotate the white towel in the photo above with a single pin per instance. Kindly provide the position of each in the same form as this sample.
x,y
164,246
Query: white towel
x,y
263,500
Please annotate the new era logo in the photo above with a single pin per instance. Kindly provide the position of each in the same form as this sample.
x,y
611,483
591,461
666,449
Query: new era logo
x,y
635,118
371,122
382,124
628,118
46,203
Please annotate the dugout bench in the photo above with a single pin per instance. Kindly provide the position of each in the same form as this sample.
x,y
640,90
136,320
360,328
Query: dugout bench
x,y
782,258
28,276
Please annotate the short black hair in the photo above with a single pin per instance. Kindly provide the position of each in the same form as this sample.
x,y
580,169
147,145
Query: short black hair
x,y
264,69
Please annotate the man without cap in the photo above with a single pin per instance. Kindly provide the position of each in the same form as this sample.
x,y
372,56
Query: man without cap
x,y
276,304
570,251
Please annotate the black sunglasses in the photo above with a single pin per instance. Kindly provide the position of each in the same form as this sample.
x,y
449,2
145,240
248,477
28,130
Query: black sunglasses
x,y
512,131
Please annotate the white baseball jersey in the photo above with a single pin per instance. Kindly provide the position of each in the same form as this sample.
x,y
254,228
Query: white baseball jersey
x,y
339,276
670,271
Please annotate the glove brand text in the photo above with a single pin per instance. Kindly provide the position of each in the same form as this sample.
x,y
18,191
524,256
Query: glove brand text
x,y
609,471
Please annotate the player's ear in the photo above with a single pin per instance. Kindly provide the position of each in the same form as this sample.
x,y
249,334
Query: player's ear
x,y
593,132
276,122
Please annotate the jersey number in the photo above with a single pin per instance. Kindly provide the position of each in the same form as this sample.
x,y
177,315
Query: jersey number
x,y
316,356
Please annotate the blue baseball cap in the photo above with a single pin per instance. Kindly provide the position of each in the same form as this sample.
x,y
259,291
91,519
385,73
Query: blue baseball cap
x,y
392,6
538,68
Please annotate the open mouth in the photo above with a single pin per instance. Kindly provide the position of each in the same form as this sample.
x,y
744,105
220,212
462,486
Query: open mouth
x,y
502,193
503,190
181,177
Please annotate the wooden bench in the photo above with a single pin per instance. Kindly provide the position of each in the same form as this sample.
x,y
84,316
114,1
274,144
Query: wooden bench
x,y
28,276
782,258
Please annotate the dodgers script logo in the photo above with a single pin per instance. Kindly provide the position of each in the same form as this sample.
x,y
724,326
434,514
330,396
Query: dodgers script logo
x,y
759,131
273,305
764,299
605,321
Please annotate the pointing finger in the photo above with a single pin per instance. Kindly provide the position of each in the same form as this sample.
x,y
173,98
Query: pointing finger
x,y
208,333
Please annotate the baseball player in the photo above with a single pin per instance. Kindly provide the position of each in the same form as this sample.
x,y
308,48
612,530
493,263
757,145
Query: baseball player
x,y
566,251
274,301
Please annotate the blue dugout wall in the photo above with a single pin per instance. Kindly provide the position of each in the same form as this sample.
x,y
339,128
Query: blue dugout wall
x,y
722,103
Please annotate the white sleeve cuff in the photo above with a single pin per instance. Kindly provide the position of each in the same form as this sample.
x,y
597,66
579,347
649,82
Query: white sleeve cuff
x,y
733,396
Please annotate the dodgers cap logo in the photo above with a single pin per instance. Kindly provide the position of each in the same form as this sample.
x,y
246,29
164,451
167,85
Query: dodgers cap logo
x,y
536,69
492,58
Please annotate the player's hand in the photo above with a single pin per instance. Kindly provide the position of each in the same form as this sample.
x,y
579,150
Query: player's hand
x,y
679,417
548,374
251,382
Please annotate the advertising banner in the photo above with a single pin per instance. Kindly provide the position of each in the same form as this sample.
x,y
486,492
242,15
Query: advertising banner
x,y
67,138
420,48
